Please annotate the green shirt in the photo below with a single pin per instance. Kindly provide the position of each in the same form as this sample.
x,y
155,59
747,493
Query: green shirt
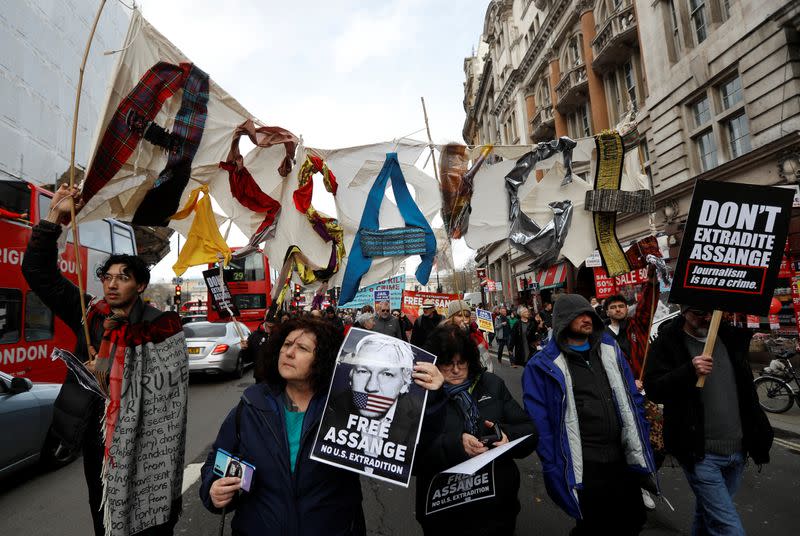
x,y
294,427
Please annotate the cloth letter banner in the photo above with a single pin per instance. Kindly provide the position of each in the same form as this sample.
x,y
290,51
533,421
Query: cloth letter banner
x,y
732,247
244,188
373,433
365,295
457,186
413,300
610,155
204,245
358,262
133,120
326,228
542,242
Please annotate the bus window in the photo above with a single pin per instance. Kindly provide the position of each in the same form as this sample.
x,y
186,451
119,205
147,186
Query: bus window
x,y
250,268
250,301
15,197
123,240
95,235
44,206
10,307
38,319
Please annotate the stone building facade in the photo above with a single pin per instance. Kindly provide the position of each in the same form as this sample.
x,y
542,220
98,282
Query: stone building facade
x,y
714,84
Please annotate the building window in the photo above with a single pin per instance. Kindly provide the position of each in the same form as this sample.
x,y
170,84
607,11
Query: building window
x,y
738,135
674,31
702,112
615,101
731,92
707,150
578,122
725,9
699,16
630,84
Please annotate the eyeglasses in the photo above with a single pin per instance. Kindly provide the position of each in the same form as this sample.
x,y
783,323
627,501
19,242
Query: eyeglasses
x,y
465,314
453,364
108,278
395,314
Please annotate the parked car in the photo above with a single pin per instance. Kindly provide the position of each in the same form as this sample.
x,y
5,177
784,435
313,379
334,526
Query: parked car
x,y
215,347
26,410
188,319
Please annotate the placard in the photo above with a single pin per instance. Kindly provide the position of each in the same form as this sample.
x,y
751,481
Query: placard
x,y
732,247
221,299
373,413
413,300
381,296
485,322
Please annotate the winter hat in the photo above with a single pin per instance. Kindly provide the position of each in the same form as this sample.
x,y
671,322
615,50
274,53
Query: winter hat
x,y
456,306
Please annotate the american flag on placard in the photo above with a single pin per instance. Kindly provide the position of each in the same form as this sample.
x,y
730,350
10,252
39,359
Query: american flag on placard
x,y
372,402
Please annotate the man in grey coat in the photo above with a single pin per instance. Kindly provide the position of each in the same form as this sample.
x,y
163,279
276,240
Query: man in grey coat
x,y
387,324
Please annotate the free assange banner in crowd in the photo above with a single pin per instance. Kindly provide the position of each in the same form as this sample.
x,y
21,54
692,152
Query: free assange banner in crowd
x,y
366,295
374,409
413,300
732,247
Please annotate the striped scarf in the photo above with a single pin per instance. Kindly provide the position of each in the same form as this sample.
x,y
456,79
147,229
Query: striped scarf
x,y
462,394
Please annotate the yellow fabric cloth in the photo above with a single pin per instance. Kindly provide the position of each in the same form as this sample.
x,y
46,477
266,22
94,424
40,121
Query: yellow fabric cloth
x,y
204,243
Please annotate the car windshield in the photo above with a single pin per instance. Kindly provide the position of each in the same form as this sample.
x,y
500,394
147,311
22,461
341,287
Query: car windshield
x,y
196,330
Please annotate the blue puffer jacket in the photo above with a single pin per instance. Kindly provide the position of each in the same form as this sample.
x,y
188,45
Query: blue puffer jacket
x,y
315,499
549,401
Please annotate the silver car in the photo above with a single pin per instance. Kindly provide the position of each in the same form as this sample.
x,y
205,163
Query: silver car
x,y
215,347
26,410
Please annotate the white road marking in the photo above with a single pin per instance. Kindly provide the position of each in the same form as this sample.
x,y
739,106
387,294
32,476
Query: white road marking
x,y
788,444
190,475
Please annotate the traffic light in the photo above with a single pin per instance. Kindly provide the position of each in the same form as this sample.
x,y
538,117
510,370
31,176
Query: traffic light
x,y
177,294
297,291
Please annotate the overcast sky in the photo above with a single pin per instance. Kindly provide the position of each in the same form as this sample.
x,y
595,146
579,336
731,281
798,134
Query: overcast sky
x,y
337,72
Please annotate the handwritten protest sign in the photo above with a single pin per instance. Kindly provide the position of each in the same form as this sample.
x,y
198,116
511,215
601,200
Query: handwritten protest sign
x,y
373,412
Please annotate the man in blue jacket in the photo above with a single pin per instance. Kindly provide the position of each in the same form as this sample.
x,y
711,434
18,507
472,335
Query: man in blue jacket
x,y
593,441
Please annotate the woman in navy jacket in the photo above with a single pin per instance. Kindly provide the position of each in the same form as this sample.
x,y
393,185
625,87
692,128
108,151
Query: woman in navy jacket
x,y
277,421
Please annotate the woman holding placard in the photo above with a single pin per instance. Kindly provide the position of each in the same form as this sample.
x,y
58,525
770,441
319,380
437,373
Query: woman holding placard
x,y
480,415
272,431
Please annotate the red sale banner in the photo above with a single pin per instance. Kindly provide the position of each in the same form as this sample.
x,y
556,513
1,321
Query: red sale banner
x,y
603,285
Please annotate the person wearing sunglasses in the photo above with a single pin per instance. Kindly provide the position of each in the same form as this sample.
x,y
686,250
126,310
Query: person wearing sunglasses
x,y
710,431
387,324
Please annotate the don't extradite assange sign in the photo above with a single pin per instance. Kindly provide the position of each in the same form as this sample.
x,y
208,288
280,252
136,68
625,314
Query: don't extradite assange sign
x,y
732,247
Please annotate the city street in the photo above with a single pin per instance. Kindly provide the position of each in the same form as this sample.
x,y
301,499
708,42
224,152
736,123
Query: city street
x,y
55,503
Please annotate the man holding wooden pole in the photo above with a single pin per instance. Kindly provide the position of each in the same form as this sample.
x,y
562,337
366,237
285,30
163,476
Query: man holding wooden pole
x,y
711,430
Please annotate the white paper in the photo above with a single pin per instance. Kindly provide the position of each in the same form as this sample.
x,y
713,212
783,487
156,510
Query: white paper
x,y
474,464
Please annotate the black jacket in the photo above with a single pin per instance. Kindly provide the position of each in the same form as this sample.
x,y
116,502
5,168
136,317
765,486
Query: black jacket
x,y
669,378
423,326
532,334
445,450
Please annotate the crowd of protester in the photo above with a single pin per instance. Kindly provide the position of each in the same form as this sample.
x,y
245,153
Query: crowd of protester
x,y
602,406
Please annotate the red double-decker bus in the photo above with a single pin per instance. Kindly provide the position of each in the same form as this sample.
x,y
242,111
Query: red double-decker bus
x,y
248,280
28,329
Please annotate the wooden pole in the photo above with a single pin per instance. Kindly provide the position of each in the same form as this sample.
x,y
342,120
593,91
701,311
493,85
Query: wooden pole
x,y
430,140
649,327
708,349
75,236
